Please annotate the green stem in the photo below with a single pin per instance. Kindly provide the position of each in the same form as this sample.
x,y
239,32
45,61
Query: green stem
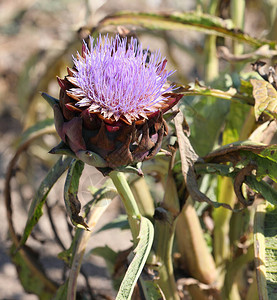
x,y
143,197
129,202
79,243
164,237
232,271
211,60
222,222
237,13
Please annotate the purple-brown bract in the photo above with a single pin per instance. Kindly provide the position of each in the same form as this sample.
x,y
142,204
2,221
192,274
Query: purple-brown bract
x,y
112,101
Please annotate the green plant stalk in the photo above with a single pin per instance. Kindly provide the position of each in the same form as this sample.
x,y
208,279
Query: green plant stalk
x,y
164,237
233,269
79,246
259,248
238,13
192,246
211,60
143,197
129,202
222,222
252,293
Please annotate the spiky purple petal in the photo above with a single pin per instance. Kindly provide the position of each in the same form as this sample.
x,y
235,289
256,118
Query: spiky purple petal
x,y
116,79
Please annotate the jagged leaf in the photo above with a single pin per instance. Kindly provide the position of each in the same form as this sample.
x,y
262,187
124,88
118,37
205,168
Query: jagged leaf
x,y
72,203
146,236
265,98
35,211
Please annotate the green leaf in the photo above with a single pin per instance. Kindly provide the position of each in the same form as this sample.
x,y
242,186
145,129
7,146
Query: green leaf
x,y
146,236
108,254
51,100
267,191
40,128
120,222
31,273
234,122
265,165
151,290
265,98
110,258
181,21
61,293
232,94
265,241
91,158
28,79
63,149
72,203
35,211
211,114
270,233
270,152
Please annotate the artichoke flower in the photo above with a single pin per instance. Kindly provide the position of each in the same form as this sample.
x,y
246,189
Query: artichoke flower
x,y
112,102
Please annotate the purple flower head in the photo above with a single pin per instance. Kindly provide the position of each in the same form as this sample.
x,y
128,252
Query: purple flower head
x,y
111,104
117,79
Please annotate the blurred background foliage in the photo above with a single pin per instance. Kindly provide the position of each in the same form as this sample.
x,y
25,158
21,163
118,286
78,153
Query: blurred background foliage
x,y
37,41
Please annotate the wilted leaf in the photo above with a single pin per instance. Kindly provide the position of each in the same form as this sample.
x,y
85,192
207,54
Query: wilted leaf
x,y
35,211
231,152
72,203
188,159
146,236
265,98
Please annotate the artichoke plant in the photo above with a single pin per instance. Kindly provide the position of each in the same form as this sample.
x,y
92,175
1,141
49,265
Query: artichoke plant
x,y
112,102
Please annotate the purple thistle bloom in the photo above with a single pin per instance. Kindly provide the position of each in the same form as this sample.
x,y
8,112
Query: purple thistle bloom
x,y
112,102
115,79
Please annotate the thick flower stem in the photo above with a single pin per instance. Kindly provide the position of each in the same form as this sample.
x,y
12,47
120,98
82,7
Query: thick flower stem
x,y
129,202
